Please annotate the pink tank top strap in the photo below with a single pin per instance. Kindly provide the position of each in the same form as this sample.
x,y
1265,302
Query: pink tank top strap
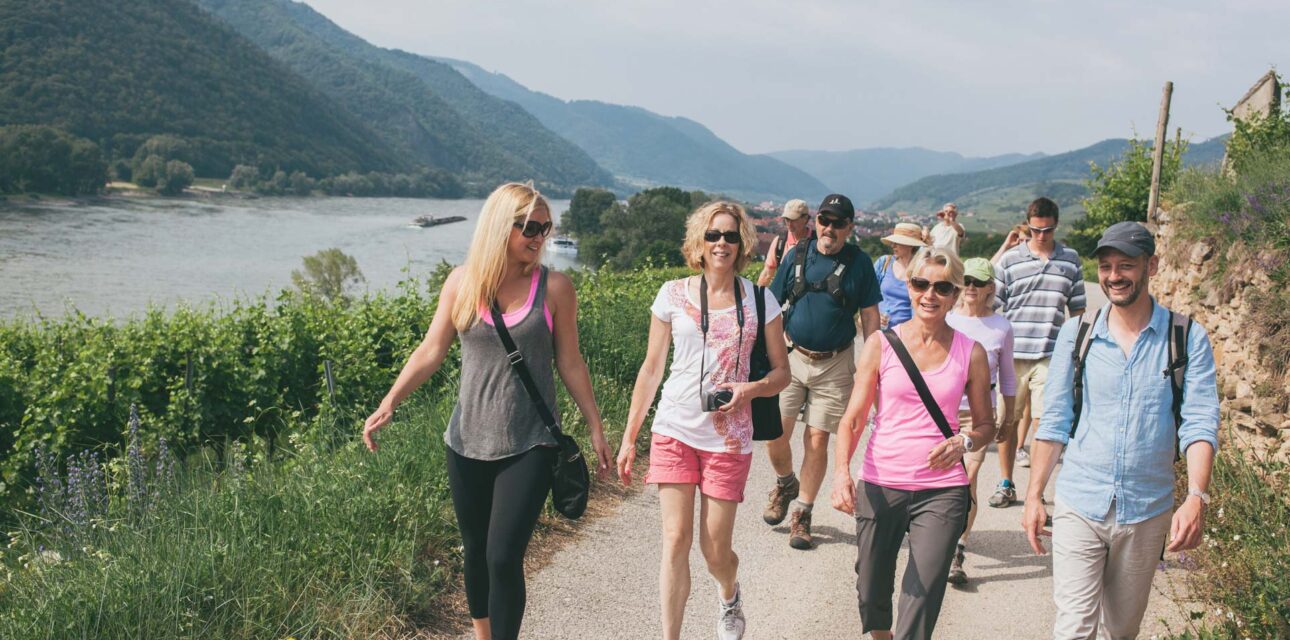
x,y
511,318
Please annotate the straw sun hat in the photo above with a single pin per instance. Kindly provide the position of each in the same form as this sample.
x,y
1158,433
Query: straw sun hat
x,y
906,233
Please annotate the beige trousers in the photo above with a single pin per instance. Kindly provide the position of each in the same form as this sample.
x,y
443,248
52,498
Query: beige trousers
x,y
1102,573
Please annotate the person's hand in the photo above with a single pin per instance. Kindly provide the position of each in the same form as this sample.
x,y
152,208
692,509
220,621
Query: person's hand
x,y
739,400
1188,525
626,459
1013,239
946,454
603,454
376,422
1033,520
1006,430
844,492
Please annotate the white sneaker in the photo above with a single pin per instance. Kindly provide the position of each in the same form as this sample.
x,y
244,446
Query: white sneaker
x,y
730,626
1023,458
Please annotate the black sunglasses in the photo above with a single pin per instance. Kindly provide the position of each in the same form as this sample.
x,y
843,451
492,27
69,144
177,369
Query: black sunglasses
x,y
973,282
532,228
941,287
713,235
829,221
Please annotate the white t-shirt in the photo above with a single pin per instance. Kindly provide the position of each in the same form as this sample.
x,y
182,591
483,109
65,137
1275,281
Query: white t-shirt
x,y
945,236
680,414
994,334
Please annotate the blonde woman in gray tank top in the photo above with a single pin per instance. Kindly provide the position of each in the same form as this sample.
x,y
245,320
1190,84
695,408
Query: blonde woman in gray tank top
x,y
499,454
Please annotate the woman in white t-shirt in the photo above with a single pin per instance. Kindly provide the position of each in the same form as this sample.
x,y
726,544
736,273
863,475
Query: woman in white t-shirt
x,y
976,318
702,431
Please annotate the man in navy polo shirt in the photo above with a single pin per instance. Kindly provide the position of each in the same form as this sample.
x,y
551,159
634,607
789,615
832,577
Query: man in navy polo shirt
x,y
822,290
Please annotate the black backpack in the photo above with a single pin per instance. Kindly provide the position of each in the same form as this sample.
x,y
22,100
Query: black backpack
x,y
1179,331
832,284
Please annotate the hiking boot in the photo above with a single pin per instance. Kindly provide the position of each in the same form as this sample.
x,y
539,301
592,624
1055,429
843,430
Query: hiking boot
x,y
780,497
957,575
730,625
1003,496
1023,458
799,536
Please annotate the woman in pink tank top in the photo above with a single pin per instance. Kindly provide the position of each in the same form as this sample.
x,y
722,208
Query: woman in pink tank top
x,y
912,478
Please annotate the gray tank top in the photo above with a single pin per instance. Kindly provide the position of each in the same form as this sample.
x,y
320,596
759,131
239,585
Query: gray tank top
x,y
494,417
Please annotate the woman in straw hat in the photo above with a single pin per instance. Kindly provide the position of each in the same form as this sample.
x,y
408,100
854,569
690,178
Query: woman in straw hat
x,y
905,241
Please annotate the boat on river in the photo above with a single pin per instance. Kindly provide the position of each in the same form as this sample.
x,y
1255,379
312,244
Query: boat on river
x,y
432,221
564,244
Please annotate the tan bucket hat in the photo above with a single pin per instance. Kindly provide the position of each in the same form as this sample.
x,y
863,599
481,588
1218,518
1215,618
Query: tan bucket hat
x,y
906,233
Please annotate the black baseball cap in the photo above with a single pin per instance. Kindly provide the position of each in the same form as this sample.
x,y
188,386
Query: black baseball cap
x,y
838,205
1130,238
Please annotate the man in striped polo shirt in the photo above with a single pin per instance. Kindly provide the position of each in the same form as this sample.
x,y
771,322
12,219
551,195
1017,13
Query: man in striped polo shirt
x,y
1035,283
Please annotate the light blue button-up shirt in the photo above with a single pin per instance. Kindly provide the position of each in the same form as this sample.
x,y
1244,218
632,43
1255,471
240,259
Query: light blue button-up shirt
x,y
1123,449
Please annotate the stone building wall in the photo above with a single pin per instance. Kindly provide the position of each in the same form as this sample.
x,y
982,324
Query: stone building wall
x,y
1253,396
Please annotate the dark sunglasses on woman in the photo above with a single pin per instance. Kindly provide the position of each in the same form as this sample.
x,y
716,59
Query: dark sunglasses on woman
x,y
973,282
941,287
532,228
713,235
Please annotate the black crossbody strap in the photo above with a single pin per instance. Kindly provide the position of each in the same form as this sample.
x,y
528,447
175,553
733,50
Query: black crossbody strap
x,y
920,384
760,301
517,364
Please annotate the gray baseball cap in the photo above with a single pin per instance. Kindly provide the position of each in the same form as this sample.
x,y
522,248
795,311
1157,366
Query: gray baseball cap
x,y
1130,238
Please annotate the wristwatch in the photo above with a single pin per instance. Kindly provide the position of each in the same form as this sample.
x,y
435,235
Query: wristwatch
x,y
967,446
1204,497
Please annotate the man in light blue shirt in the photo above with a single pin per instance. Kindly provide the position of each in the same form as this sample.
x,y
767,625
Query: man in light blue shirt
x,y
1115,502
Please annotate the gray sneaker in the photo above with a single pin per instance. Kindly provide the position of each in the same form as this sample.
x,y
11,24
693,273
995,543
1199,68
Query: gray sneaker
x,y
1003,496
1023,458
780,497
730,626
957,575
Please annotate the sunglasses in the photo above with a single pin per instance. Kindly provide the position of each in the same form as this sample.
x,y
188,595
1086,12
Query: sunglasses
x,y
831,222
533,228
1042,229
713,235
941,287
973,282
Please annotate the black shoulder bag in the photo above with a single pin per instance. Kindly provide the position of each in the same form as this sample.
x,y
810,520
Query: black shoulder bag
x,y
570,480
929,402
765,411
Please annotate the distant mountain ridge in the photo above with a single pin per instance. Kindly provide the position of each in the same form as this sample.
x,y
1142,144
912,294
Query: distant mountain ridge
x,y
868,174
645,149
424,109
119,73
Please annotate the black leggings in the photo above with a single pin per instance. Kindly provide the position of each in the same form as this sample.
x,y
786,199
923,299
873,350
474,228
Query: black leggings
x,y
498,503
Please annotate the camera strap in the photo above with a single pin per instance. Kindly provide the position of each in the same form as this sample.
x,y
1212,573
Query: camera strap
x,y
703,325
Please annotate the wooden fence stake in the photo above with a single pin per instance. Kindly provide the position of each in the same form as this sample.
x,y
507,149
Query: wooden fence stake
x,y
1158,152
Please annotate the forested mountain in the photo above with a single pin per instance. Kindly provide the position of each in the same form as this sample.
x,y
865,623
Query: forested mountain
x,y
121,72
1060,176
868,174
423,108
642,148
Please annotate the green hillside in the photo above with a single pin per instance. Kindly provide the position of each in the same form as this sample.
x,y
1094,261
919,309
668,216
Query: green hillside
x,y
644,149
118,73
422,108
869,174
998,196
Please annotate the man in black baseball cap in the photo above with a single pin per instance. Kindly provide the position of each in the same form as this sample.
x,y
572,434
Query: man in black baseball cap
x,y
829,293
1130,238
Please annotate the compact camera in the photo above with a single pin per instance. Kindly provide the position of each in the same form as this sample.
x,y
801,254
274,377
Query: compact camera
x,y
714,399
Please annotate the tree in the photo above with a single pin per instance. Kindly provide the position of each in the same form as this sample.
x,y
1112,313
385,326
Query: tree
x,y
301,184
650,228
583,216
177,176
328,273
150,172
1122,190
49,160
244,177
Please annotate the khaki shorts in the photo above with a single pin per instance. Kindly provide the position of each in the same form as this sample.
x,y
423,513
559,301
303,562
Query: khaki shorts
x,y
1031,376
819,389
976,455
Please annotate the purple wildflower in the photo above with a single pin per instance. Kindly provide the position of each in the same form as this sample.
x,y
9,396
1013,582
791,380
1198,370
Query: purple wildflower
x,y
135,462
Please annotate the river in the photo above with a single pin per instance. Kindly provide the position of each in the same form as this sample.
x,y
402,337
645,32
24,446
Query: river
x,y
112,257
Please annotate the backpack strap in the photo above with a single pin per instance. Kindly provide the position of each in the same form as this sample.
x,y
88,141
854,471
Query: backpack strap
x,y
779,248
831,284
1179,331
797,285
1083,341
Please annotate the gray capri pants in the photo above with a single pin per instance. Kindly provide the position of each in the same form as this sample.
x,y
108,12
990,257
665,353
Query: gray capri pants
x,y
934,519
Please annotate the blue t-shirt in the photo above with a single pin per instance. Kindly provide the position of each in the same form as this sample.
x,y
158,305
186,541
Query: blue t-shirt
x,y
817,322
895,295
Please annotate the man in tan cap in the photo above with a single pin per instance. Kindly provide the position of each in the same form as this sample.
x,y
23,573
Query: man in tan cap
x,y
797,219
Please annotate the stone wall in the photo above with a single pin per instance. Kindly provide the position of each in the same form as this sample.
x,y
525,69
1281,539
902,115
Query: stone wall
x,y
1254,397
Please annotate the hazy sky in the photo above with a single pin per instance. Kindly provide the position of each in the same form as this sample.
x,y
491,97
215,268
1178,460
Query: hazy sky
x,y
979,78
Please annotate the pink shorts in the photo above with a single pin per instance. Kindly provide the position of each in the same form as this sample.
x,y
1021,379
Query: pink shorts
x,y
719,475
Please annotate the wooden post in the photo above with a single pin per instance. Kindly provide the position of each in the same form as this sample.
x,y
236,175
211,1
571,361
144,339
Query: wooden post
x,y
1158,152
